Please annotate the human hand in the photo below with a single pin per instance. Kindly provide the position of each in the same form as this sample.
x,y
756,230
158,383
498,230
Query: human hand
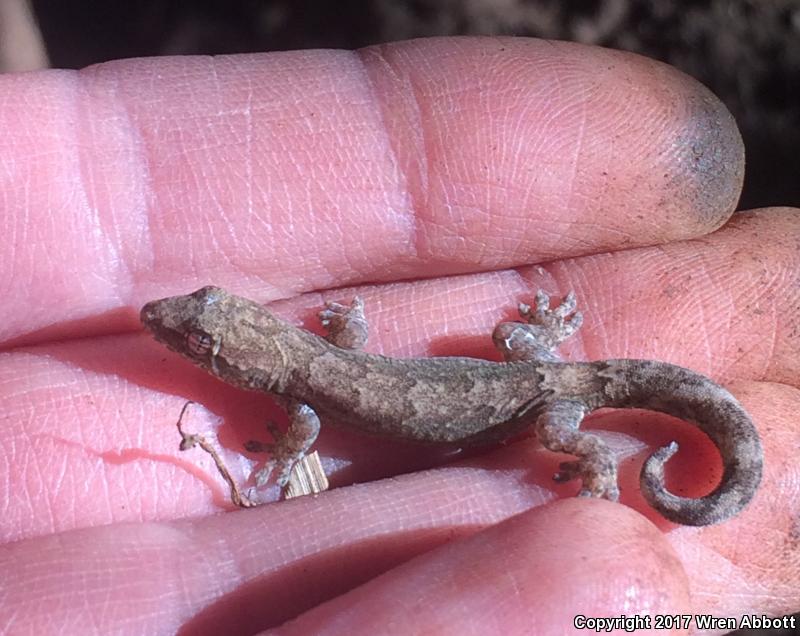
x,y
445,170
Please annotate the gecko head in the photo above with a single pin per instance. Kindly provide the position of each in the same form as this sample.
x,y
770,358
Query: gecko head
x,y
187,324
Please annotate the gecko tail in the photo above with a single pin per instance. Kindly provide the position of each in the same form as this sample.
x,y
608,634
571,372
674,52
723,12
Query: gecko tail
x,y
697,399
734,492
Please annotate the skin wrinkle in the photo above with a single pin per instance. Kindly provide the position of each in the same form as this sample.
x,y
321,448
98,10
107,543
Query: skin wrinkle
x,y
771,354
227,218
110,226
35,487
86,181
570,189
145,256
709,321
415,172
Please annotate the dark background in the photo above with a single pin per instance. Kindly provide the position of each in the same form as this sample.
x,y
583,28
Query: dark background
x,y
747,52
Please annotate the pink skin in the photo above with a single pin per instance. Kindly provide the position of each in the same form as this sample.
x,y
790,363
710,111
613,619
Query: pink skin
x,y
280,176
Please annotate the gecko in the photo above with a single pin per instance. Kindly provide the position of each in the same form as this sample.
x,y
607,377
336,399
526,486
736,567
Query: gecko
x,y
462,401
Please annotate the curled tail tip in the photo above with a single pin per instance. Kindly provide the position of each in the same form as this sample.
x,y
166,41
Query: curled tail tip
x,y
733,493
652,476
662,455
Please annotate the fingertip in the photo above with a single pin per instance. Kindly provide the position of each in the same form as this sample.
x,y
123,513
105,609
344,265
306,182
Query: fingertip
x,y
708,163
541,140
533,573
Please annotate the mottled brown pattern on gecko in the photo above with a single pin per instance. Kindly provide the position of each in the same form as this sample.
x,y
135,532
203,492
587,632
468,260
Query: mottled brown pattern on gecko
x,y
463,401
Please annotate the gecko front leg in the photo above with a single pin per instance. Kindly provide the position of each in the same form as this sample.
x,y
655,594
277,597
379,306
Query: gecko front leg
x,y
288,448
346,328
557,428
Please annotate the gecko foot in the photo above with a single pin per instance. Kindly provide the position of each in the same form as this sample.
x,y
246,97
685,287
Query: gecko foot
x,y
603,484
283,466
289,448
346,326
557,324
283,457
543,330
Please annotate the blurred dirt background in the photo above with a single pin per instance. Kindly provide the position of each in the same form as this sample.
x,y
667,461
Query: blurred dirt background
x,y
746,51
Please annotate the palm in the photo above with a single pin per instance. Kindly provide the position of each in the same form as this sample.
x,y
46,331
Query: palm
x,y
450,164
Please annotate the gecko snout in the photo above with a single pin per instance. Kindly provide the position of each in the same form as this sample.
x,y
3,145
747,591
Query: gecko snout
x,y
147,314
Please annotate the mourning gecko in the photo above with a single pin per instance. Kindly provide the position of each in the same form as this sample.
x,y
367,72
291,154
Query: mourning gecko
x,y
463,401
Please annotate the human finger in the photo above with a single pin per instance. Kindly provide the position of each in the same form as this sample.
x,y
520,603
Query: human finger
x,y
283,173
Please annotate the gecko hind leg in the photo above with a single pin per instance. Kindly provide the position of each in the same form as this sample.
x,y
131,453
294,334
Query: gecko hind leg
x,y
543,330
347,327
558,427
557,430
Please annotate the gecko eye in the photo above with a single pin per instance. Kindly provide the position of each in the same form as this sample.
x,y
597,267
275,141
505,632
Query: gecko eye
x,y
199,342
